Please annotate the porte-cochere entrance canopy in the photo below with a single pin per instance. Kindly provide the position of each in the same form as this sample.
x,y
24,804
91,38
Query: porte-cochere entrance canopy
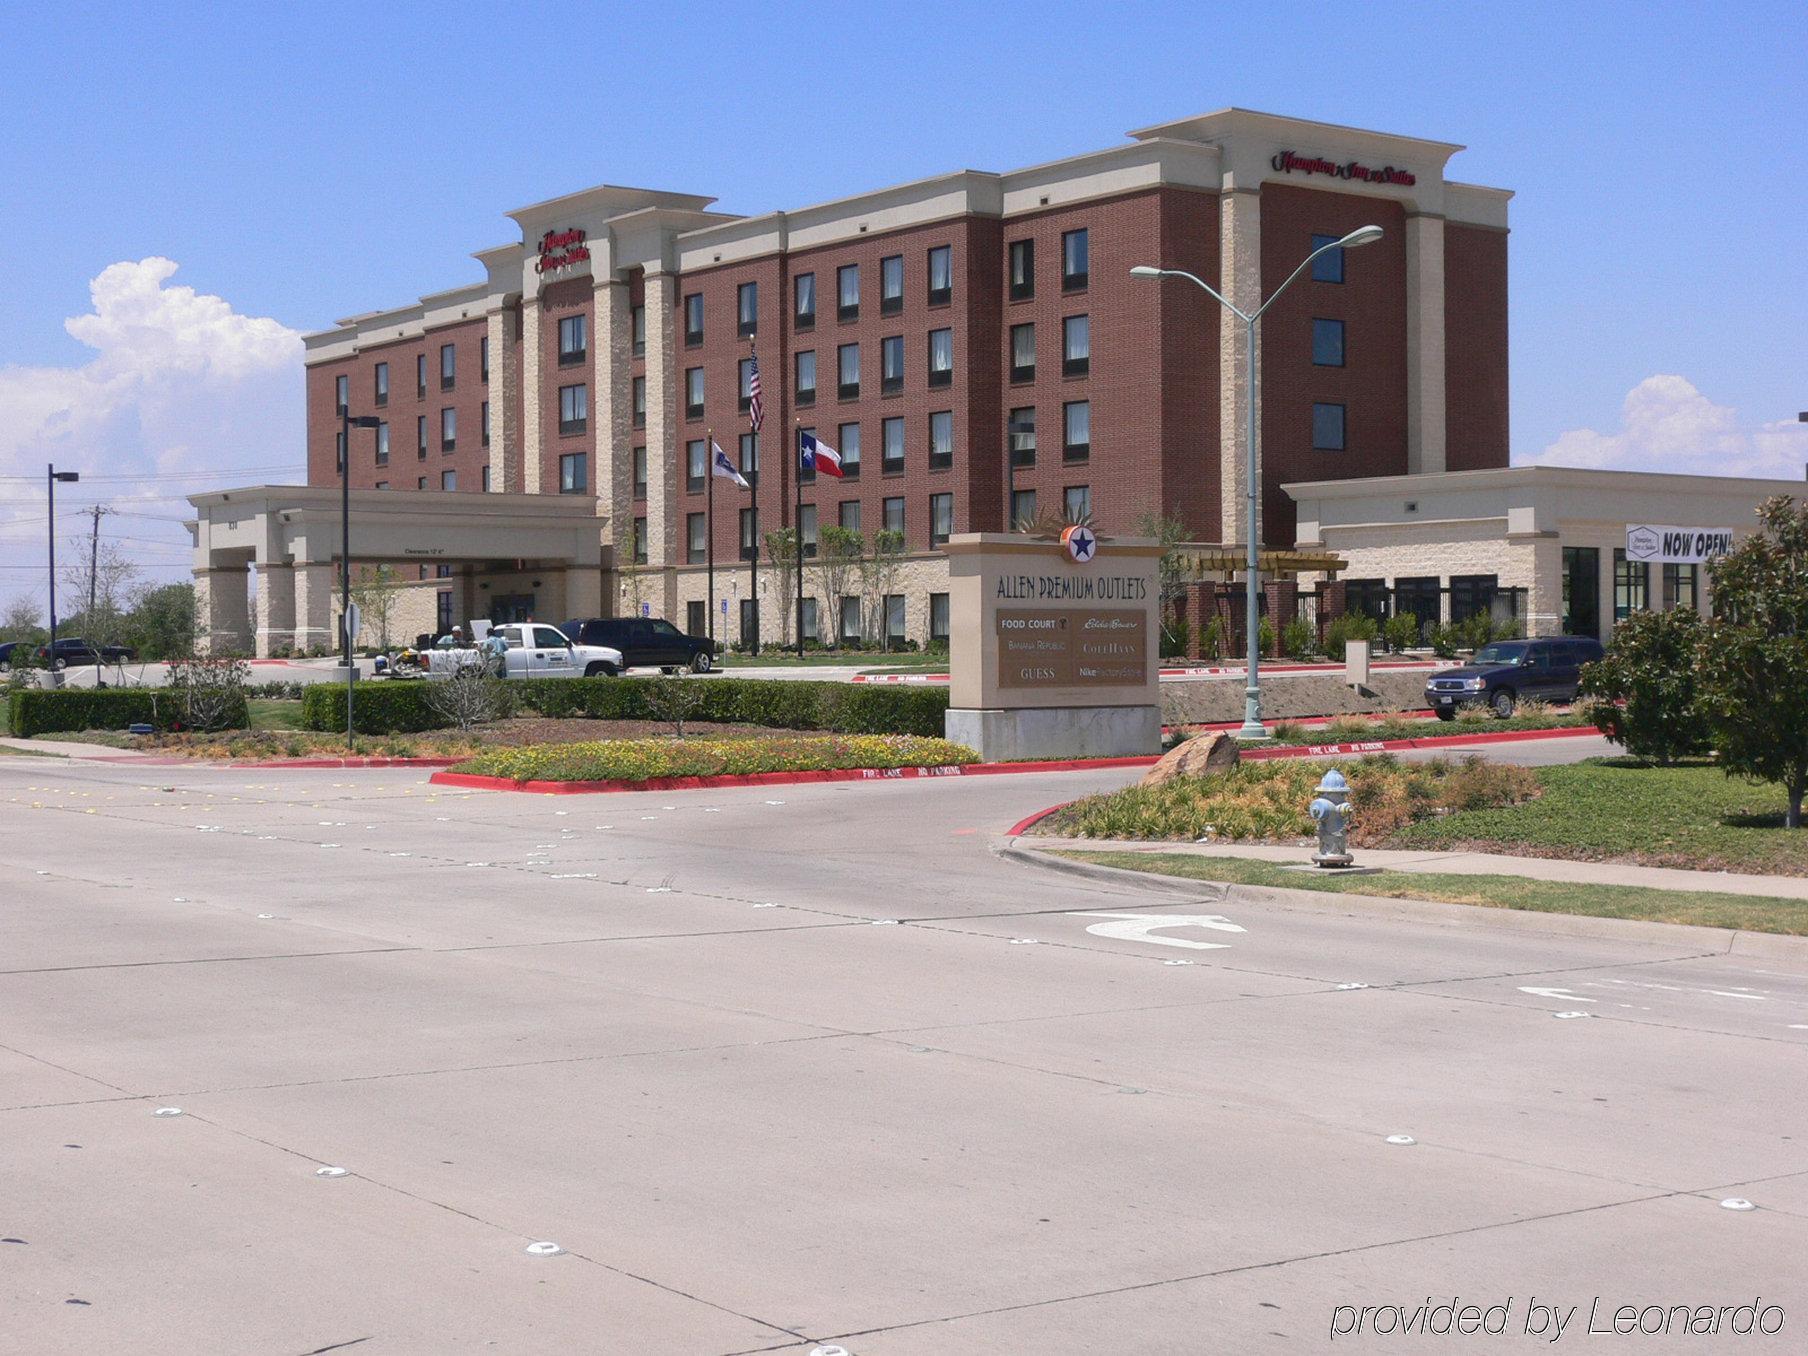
x,y
290,534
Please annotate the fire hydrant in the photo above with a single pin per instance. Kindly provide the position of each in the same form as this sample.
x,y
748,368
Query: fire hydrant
x,y
1333,811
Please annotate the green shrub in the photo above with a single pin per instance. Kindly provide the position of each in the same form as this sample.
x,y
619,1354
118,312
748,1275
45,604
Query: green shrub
x,y
1445,640
1211,639
378,709
1265,636
1176,638
1644,691
1351,626
1298,640
642,759
1401,631
33,711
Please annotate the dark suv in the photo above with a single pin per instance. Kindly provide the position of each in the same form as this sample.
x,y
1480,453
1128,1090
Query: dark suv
x,y
74,650
1508,671
646,644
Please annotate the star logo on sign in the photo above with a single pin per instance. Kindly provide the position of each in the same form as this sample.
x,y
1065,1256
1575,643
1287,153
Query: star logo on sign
x,y
1081,543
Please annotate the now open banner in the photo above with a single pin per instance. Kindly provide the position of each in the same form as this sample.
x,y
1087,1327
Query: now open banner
x,y
1672,545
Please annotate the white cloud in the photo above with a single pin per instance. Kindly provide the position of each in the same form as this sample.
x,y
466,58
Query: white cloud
x,y
1668,425
179,383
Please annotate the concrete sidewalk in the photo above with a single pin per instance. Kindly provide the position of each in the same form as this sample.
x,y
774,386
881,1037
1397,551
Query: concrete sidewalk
x,y
69,748
1472,864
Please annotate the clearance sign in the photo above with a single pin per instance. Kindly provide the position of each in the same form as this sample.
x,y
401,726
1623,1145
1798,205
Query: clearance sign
x,y
1676,545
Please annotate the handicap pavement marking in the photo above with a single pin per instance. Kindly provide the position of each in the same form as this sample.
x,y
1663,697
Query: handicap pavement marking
x,y
1142,927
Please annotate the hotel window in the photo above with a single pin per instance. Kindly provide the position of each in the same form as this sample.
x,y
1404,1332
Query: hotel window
x,y
693,392
341,393
420,376
806,618
1076,430
574,475
574,340
894,619
750,454
941,357
1023,507
637,330
381,379
1327,427
382,444
483,358
486,478
640,402
1631,585
806,526
938,616
693,319
891,364
941,519
420,435
891,446
847,292
941,440
891,516
574,408
806,377
1327,343
1023,352
1471,594
1328,267
848,515
941,275
486,423
750,536
850,618
696,616
1076,265
696,464
639,466
744,385
448,429
448,366
803,301
448,480
1682,586
382,485
1023,269
806,475
747,309
1076,503
847,371
891,284
847,442
696,546
1076,345
420,483
640,541
1020,432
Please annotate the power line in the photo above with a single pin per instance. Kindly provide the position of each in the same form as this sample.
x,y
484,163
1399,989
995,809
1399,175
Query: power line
x,y
168,475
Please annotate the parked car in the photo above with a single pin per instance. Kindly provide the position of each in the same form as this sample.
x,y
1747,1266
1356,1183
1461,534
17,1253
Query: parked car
x,y
74,650
531,650
1510,671
646,643
23,647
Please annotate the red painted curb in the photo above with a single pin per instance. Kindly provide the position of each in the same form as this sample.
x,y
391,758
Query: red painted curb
x,y
1023,826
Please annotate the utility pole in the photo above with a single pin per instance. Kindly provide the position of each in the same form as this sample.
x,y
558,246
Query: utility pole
x,y
93,563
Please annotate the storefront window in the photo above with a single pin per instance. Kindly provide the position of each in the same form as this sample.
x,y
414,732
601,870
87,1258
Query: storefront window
x,y
1682,586
1470,594
1421,597
1581,591
1631,585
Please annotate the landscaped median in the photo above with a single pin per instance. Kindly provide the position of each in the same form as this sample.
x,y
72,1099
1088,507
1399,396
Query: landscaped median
x,y
665,764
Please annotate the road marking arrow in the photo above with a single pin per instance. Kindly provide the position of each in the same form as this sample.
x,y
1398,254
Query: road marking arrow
x,y
1556,993
1141,927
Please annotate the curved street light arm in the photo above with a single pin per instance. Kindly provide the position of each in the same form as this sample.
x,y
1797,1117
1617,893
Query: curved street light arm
x,y
1221,298
1304,265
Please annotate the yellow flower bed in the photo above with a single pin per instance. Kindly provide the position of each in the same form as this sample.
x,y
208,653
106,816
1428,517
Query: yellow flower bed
x,y
636,760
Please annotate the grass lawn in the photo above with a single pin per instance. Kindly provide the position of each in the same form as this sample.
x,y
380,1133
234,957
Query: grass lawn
x,y
269,714
9,750
1751,913
1355,729
1614,809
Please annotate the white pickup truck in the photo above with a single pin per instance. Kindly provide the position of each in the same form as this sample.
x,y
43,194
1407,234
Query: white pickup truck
x,y
533,650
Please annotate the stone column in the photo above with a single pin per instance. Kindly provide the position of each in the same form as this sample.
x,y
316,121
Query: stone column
x,y
583,591
530,395
1425,425
275,606
315,588
1240,268
222,596
663,381
614,485
505,435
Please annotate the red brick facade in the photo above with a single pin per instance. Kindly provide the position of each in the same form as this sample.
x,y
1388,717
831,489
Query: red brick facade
x,y
1475,346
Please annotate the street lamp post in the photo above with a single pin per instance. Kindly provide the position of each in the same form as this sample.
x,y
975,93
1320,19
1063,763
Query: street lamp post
x,y
1252,695
346,424
51,476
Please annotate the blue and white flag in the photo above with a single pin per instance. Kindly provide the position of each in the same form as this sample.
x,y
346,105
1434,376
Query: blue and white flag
x,y
725,468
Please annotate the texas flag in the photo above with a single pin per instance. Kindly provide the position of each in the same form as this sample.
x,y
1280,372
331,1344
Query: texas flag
x,y
819,456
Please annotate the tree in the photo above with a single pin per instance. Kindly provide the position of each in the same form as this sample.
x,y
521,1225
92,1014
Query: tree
x,y
878,575
1754,654
781,554
22,620
100,576
1644,687
161,624
375,593
1171,575
838,556
469,695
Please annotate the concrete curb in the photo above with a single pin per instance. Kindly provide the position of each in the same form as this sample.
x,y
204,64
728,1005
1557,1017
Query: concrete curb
x,y
1757,945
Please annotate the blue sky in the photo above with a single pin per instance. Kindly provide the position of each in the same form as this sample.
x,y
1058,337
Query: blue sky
x,y
303,162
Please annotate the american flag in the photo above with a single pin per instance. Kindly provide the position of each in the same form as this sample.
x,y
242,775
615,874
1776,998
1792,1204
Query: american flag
x,y
756,408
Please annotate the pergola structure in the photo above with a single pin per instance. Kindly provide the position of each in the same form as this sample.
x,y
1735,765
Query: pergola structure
x,y
1201,561
547,548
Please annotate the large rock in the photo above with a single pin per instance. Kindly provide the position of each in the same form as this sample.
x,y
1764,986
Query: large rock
x,y
1196,757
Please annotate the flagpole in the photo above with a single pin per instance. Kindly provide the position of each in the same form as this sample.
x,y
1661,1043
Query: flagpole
x,y
797,528
709,527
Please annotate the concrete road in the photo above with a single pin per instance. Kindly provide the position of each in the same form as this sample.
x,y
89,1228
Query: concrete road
x,y
812,1068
